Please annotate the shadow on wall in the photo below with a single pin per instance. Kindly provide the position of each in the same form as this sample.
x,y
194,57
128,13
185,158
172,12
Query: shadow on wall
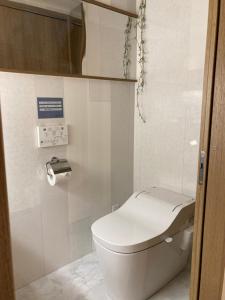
x,y
31,256
28,264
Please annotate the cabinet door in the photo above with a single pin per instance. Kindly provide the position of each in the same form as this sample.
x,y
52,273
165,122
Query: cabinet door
x,y
33,42
77,48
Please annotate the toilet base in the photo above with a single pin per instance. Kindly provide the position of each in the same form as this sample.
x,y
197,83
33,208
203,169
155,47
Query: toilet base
x,y
140,275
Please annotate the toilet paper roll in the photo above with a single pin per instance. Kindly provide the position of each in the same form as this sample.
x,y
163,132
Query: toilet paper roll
x,y
55,179
187,238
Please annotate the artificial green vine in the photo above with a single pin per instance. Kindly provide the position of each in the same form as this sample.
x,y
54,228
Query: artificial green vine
x,y
127,48
141,24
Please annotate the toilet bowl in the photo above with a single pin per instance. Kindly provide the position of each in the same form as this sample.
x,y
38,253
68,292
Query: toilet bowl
x,y
144,244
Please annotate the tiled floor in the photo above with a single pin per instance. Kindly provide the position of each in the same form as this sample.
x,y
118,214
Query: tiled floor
x,y
83,280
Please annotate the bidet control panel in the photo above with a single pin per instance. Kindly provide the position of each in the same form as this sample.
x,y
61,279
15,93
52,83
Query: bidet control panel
x,y
50,136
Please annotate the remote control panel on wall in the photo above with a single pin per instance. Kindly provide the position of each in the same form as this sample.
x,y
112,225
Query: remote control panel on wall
x,y
50,136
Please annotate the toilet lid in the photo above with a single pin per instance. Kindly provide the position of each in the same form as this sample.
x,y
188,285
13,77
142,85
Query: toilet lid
x,y
146,219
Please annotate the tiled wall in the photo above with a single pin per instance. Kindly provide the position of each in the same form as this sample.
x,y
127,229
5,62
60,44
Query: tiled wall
x,y
50,226
166,147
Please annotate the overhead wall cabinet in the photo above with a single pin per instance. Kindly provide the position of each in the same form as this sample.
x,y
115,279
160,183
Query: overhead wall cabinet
x,y
81,39
34,39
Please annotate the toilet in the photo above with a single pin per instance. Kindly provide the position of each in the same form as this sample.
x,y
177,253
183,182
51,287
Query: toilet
x,y
145,243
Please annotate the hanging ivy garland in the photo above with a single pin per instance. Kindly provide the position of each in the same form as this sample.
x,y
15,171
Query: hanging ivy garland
x,y
141,23
127,48
139,26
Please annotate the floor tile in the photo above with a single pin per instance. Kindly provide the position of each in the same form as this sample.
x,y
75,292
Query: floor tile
x,y
83,280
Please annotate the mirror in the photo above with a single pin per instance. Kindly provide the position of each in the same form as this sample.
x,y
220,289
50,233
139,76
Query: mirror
x,y
108,35
69,37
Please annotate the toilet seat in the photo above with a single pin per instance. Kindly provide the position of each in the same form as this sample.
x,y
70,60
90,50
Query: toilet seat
x,y
145,220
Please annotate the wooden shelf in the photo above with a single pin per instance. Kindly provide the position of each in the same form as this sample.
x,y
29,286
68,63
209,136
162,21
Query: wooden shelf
x,y
115,9
68,75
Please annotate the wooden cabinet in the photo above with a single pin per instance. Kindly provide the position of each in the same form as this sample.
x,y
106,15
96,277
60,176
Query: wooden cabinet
x,y
39,41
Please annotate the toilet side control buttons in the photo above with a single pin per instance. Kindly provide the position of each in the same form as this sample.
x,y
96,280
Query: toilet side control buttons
x,y
169,240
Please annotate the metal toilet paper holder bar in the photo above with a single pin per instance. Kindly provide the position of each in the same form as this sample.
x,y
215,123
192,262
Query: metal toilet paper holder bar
x,y
58,166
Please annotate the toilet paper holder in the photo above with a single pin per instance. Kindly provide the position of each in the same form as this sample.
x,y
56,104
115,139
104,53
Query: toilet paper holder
x,y
57,166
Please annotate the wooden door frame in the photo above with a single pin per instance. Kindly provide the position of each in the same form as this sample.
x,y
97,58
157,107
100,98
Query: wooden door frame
x,y
213,247
208,89
6,272
209,232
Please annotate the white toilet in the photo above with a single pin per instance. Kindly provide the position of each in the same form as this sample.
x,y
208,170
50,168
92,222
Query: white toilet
x,y
144,244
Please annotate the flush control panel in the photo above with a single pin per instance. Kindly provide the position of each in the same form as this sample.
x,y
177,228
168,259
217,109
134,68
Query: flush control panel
x,y
51,136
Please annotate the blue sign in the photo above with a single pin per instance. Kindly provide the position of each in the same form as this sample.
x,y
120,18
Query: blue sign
x,y
49,108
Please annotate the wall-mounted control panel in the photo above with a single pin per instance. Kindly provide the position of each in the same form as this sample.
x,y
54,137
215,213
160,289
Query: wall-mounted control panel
x,y
51,136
